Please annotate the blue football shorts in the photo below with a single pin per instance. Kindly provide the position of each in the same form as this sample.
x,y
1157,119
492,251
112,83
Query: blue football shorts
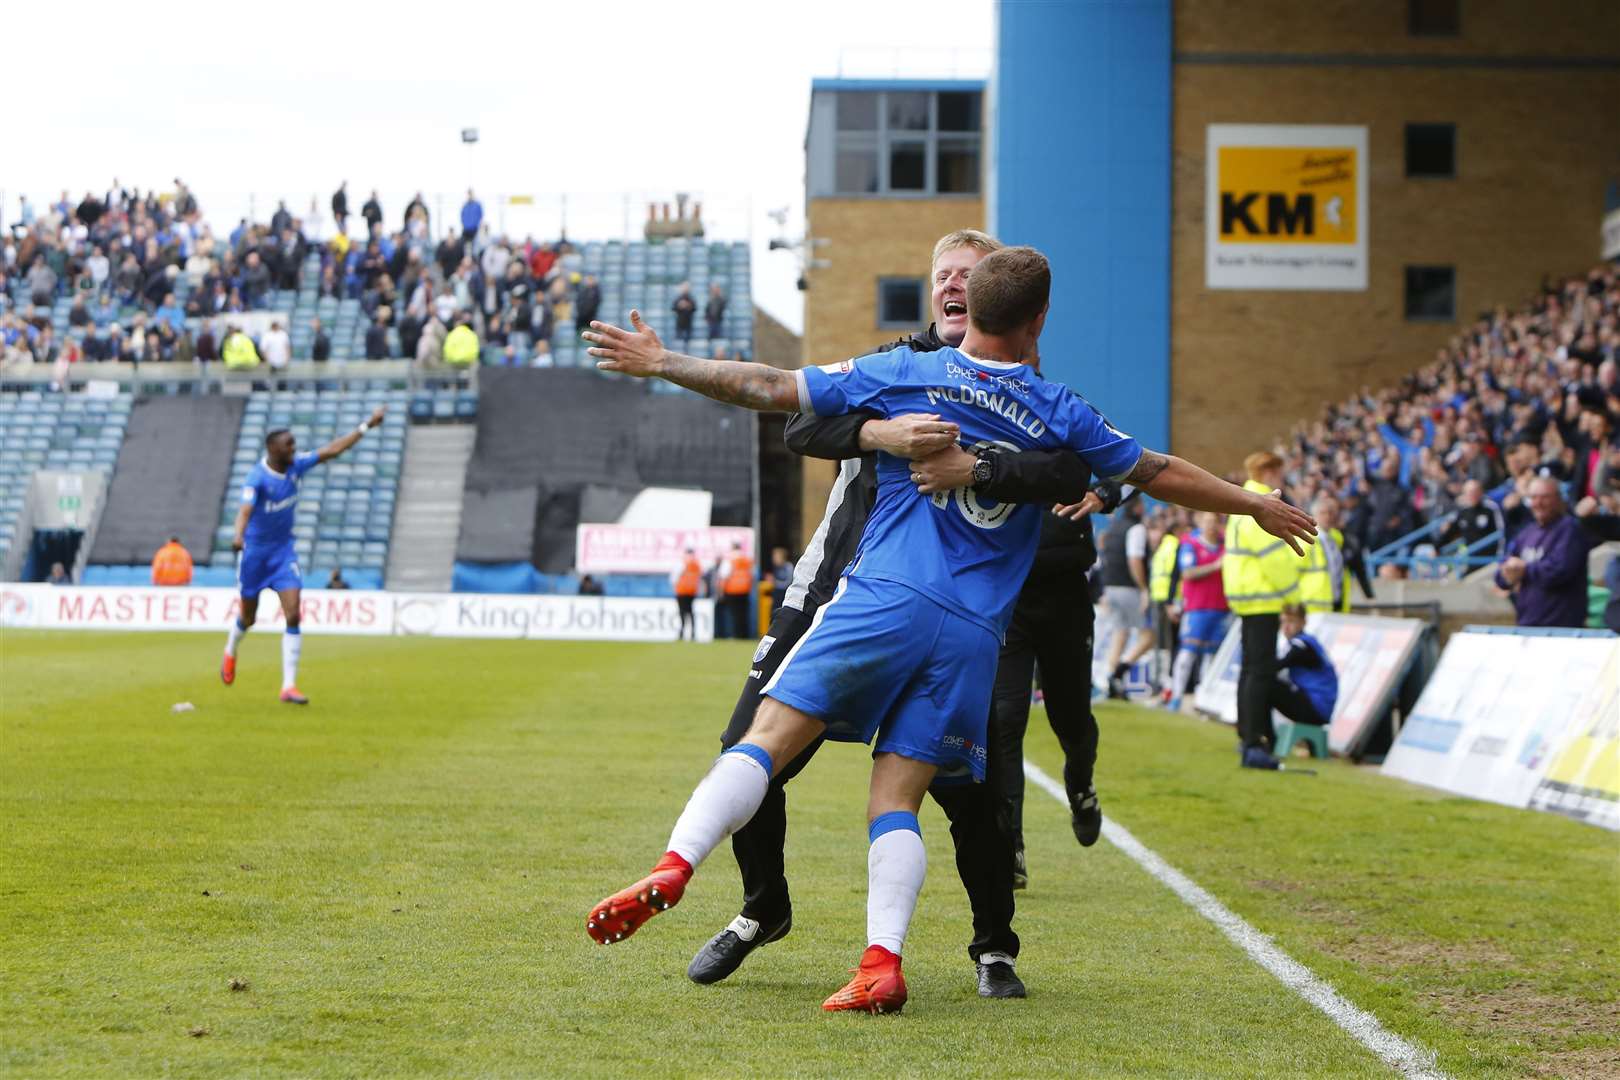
x,y
273,568
1202,631
883,660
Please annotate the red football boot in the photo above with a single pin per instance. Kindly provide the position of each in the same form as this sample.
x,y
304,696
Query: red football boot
x,y
622,914
878,986
227,670
292,696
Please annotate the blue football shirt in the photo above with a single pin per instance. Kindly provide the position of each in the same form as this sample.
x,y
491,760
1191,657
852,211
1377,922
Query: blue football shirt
x,y
274,498
958,548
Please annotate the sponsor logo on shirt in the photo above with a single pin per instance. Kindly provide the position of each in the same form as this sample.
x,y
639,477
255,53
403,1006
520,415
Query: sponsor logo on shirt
x,y
765,644
1006,382
281,505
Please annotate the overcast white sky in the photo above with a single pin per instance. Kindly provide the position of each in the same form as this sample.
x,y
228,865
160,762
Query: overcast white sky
x,y
598,99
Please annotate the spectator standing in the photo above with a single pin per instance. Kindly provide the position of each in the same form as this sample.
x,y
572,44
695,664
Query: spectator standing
x,y
714,312
1474,519
736,587
687,580
321,342
781,576
684,308
1123,562
587,303
372,212
1545,572
172,564
472,217
276,347
1260,578
59,575
589,586
340,207
377,336
41,283
336,580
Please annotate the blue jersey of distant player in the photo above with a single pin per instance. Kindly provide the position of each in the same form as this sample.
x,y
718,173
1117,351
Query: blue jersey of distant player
x,y
268,559
963,551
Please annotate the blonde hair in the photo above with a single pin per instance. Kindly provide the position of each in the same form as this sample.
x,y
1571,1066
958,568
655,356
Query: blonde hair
x,y
981,242
1261,461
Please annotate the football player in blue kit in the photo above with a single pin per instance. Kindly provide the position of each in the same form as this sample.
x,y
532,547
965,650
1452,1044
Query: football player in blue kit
x,y
906,650
264,541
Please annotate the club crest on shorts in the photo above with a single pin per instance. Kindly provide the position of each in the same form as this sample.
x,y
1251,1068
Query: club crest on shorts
x,y
765,644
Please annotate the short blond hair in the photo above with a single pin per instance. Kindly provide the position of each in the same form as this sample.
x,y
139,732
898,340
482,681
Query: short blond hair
x,y
981,242
1261,461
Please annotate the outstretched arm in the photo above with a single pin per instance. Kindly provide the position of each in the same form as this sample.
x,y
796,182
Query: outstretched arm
x,y
1167,477
343,442
639,352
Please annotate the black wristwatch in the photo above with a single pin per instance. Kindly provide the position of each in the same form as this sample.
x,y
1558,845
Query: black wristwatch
x,y
984,468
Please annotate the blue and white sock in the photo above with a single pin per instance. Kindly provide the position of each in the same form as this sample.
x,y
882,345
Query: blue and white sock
x,y
292,643
234,638
722,803
896,864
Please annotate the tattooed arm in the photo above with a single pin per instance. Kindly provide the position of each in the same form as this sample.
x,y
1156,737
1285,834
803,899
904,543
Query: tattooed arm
x,y
641,353
1167,477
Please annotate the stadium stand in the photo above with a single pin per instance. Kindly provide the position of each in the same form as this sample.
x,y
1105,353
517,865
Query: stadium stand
x,y
50,431
1516,394
143,278
175,460
547,438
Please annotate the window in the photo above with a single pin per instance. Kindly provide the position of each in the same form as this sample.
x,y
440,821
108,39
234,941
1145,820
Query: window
x,y
908,111
1431,150
908,166
1434,18
957,166
1431,293
961,111
908,142
899,303
857,170
857,111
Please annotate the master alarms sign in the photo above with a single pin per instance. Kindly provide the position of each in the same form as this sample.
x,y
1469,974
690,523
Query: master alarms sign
x,y
1286,207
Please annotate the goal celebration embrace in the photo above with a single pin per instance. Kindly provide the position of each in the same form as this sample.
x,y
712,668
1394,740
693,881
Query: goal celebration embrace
x,y
904,655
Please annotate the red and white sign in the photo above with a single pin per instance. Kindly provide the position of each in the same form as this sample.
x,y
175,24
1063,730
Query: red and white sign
x,y
624,549
576,618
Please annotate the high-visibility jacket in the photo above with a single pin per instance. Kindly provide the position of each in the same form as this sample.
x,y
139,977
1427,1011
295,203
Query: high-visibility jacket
x,y
1315,582
461,346
688,579
1259,572
740,579
171,565
1162,570
238,352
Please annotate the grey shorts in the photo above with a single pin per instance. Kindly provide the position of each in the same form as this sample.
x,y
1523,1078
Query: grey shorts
x,y
1123,605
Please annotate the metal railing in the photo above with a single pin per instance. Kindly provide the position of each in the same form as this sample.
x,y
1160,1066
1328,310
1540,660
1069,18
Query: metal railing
x,y
1453,562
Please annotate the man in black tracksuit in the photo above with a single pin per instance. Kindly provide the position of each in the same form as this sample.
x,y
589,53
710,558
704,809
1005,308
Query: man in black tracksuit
x,y
1052,626
983,847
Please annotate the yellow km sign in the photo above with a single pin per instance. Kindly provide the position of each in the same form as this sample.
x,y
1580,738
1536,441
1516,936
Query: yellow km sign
x,y
1288,195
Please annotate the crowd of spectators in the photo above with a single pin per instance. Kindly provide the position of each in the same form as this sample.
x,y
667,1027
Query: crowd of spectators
x,y
136,266
1518,394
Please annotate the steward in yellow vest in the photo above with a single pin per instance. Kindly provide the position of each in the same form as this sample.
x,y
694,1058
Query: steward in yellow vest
x,y
238,352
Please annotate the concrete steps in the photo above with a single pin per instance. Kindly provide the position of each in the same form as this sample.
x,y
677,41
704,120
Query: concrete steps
x,y
427,516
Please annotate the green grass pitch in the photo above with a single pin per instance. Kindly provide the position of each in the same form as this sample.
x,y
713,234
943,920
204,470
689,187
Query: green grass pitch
x,y
395,881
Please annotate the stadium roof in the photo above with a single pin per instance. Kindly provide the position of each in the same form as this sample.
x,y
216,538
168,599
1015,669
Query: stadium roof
x,y
897,84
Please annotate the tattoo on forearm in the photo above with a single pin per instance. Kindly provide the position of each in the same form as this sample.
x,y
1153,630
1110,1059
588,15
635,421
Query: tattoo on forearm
x,y
1147,467
753,386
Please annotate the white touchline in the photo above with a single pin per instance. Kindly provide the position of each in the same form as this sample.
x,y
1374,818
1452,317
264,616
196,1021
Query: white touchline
x,y
1412,1061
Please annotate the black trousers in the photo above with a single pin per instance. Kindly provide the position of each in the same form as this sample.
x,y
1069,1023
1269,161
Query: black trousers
x,y
731,615
687,628
983,852
1055,632
1291,701
1255,679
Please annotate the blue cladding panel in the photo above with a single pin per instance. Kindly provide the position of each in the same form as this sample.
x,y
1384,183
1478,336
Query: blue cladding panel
x,y
1082,160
